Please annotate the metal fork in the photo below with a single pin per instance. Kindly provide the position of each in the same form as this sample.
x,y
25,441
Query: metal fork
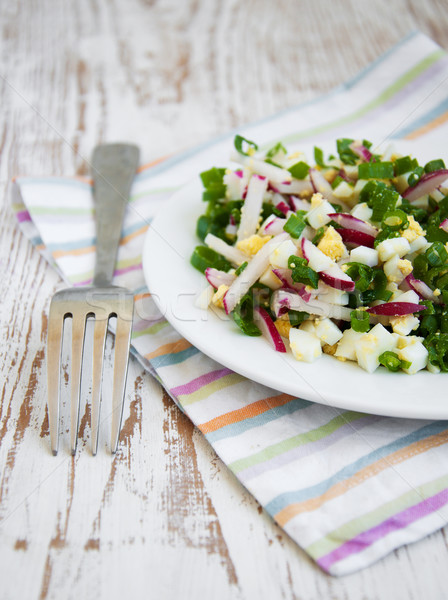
x,y
113,169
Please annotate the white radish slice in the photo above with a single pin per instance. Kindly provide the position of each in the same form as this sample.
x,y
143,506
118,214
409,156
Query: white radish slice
x,y
230,252
336,278
283,300
250,212
215,277
317,260
271,172
254,270
427,184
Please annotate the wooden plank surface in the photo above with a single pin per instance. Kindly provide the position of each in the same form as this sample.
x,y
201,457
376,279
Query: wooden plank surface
x,y
163,518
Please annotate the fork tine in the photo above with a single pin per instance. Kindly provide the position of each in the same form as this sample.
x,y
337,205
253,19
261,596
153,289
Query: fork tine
x,y
78,333
99,340
54,349
122,342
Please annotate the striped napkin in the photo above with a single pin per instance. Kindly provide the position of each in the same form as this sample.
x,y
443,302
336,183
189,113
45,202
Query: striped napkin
x,y
347,487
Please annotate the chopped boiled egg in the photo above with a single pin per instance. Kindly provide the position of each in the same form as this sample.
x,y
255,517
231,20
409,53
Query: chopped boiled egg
x,y
362,211
283,326
320,209
346,347
280,255
405,324
396,269
327,331
364,255
219,295
252,244
388,248
270,279
416,354
332,245
413,231
305,346
370,345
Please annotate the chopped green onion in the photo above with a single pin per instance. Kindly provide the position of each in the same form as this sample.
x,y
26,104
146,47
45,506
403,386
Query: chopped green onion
x,y
437,346
241,268
319,157
336,181
239,142
434,165
278,148
376,170
297,317
346,154
415,176
204,257
299,170
295,225
379,198
395,220
243,315
436,254
361,274
319,235
301,272
392,362
202,227
405,164
360,321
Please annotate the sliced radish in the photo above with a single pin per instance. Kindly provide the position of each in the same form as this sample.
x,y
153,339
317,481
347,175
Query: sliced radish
x,y
348,221
419,286
230,252
282,301
444,225
254,270
361,151
271,172
358,238
273,225
395,309
296,186
287,283
427,184
317,260
268,329
298,204
336,278
215,277
250,212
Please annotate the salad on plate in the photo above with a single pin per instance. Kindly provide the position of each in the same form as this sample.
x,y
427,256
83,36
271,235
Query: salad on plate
x,y
346,255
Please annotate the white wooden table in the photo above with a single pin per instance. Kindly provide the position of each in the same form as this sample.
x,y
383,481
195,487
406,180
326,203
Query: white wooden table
x,y
163,518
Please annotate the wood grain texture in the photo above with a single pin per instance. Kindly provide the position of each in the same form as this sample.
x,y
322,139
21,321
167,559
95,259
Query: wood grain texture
x,y
163,518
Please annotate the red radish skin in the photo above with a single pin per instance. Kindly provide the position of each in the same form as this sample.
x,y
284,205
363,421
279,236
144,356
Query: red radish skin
x,y
336,278
444,225
217,278
363,152
395,309
427,184
348,221
357,238
268,329
423,290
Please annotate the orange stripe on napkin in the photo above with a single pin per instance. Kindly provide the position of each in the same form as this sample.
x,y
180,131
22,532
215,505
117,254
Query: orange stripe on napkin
x,y
428,127
172,348
247,412
342,487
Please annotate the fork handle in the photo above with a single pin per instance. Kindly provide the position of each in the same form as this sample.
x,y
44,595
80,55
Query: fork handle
x,y
113,170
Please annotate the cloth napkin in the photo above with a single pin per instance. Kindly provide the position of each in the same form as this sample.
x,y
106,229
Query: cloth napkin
x,y
348,487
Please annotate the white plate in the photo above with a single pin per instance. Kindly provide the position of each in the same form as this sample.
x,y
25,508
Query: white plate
x,y
175,284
